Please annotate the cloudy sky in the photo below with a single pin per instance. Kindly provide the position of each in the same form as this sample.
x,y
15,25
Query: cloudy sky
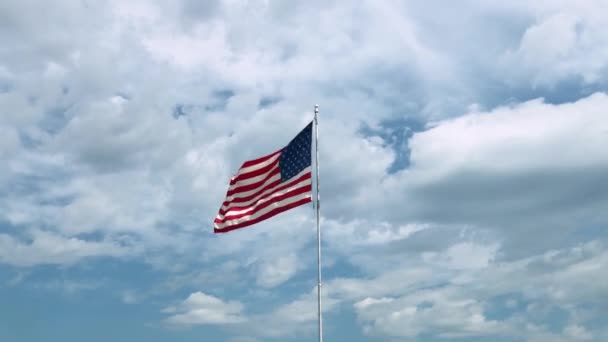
x,y
463,154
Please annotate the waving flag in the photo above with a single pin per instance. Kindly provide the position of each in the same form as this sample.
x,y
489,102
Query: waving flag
x,y
267,186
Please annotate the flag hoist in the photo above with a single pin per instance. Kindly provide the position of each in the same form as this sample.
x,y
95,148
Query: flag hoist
x,y
272,184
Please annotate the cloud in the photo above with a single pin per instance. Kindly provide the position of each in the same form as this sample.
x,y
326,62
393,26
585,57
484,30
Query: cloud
x,y
446,314
562,43
358,233
200,308
465,255
291,319
277,271
69,286
49,248
525,166
459,307
122,122
130,297
577,333
112,181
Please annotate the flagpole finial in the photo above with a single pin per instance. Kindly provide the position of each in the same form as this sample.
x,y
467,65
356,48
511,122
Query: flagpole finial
x,y
316,109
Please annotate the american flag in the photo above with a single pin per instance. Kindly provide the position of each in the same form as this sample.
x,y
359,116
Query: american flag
x,y
267,186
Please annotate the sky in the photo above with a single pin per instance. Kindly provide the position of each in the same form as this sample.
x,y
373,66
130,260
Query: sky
x,y
463,169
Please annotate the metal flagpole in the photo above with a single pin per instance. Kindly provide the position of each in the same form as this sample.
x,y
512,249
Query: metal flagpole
x,y
319,307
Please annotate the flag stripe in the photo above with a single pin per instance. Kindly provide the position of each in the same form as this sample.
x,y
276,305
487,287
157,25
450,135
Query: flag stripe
x,y
262,170
270,183
275,197
249,200
269,194
268,212
256,185
259,161
263,217
284,201
255,178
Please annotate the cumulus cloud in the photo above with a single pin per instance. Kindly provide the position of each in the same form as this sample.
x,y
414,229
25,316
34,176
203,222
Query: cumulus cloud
x,y
200,308
121,123
48,248
562,43
468,304
526,166
290,319
445,314
277,271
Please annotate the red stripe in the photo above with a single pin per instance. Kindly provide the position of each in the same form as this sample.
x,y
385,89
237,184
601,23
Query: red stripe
x,y
260,194
247,198
255,173
256,207
269,186
259,160
258,200
263,217
253,186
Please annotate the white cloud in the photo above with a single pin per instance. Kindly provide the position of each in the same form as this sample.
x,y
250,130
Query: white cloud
x,y
465,255
514,139
397,280
577,333
458,308
503,168
358,233
292,319
49,248
447,315
134,168
130,297
121,123
275,272
69,286
200,308
565,41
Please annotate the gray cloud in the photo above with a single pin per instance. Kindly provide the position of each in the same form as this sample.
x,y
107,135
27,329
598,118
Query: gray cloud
x,y
92,145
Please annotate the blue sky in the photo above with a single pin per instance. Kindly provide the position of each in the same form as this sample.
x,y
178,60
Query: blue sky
x,y
463,154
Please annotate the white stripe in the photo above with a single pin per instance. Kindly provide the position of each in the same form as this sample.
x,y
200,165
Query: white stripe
x,y
257,166
251,192
269,208
252,179
301,184
266,192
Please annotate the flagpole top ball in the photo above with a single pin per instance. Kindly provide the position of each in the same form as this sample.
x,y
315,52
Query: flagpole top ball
x,y
316,109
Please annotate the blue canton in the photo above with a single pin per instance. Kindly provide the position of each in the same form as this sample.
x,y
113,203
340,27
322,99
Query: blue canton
x,y
296,156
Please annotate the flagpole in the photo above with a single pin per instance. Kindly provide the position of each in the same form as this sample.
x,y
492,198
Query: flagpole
x,y
319,307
